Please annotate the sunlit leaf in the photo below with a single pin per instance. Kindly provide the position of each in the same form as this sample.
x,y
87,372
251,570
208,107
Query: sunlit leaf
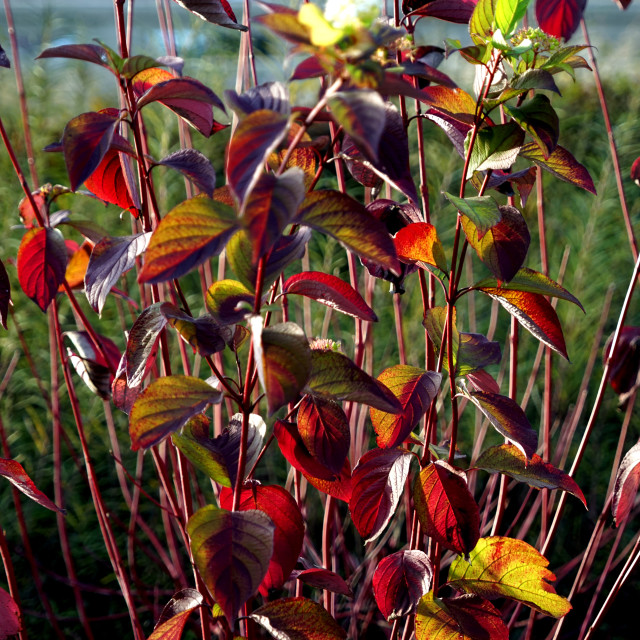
x,y
167,404
42,260
508,14
175,613
481,22
110,258
559,18
194,165
335,376
495,147
17,476
400,580
77,266
418,242
377,486
466,617
508,459
445,507
415,389
626,486
108,182
5,295
10,624
298,619
232,551
344,218
215,11
509,568
330,290
324,579
189,234
483,211
203,454
324,430
538,118
534,313
229,301
288,534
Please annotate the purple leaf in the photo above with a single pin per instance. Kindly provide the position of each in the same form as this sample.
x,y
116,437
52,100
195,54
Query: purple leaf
x,y
270,95
5,295
194,165
215,11
87,52
141,343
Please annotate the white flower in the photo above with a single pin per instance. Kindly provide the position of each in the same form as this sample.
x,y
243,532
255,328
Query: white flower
x,y
351,13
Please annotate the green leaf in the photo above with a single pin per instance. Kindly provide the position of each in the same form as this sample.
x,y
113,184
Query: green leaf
x,y
229,301
482,19
204,457
483,211
508,14
509,568
538,118
495,147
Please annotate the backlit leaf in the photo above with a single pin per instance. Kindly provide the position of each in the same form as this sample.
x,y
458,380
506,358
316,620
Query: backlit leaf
x,y
5,295
203,454
483,211
415,389
508,13
108,182
508,459
232,551
503,248
85,142
167,404
110,258
344,218
561,164
194,165
77,266
538,118
335,376
17,476
445,507
324,430
377,486
507,417
189,234
559,18
255,138
330,290
288,534
466,617
298,619
10,624
626,486
418,242
324,579
400,580
214,11
42,260
509,568
283,360
495,147
482,19
175,613
229,301
534,313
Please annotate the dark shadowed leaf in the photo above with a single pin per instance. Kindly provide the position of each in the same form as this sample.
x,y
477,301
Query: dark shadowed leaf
x,y
418,242
10,624
18,477
456,131
334,375
466,617
167,404
110,258
507,417
561,164
229,301
635,171
42,260
324,430
415,389
85,142
270,206
559,18
253,141
122,393
377,486
108,182
141,344
175,613
482,381
344,218
90,364
232,551
508,459
445,507
283,360
269,95
87,52
509,568
5,295
332,291
189,234
495,147
626,486
624,362
288,535
215,11
400,580
475,352
538,118
483,211
205,335
503,248
194,165
324,579
534,313
298,619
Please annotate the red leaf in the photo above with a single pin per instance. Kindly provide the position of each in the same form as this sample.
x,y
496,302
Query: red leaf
x,y
10,624
400,580
456,11
377,486
232,551
298,619
108,182
330,290
42,260
559,18
445,507
27,214
324,579
5,295
339,488
635,171
215,11
85,142
626,487
418,242
415,389
175,613
87,52
18,477
324,429
288,535
534,313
